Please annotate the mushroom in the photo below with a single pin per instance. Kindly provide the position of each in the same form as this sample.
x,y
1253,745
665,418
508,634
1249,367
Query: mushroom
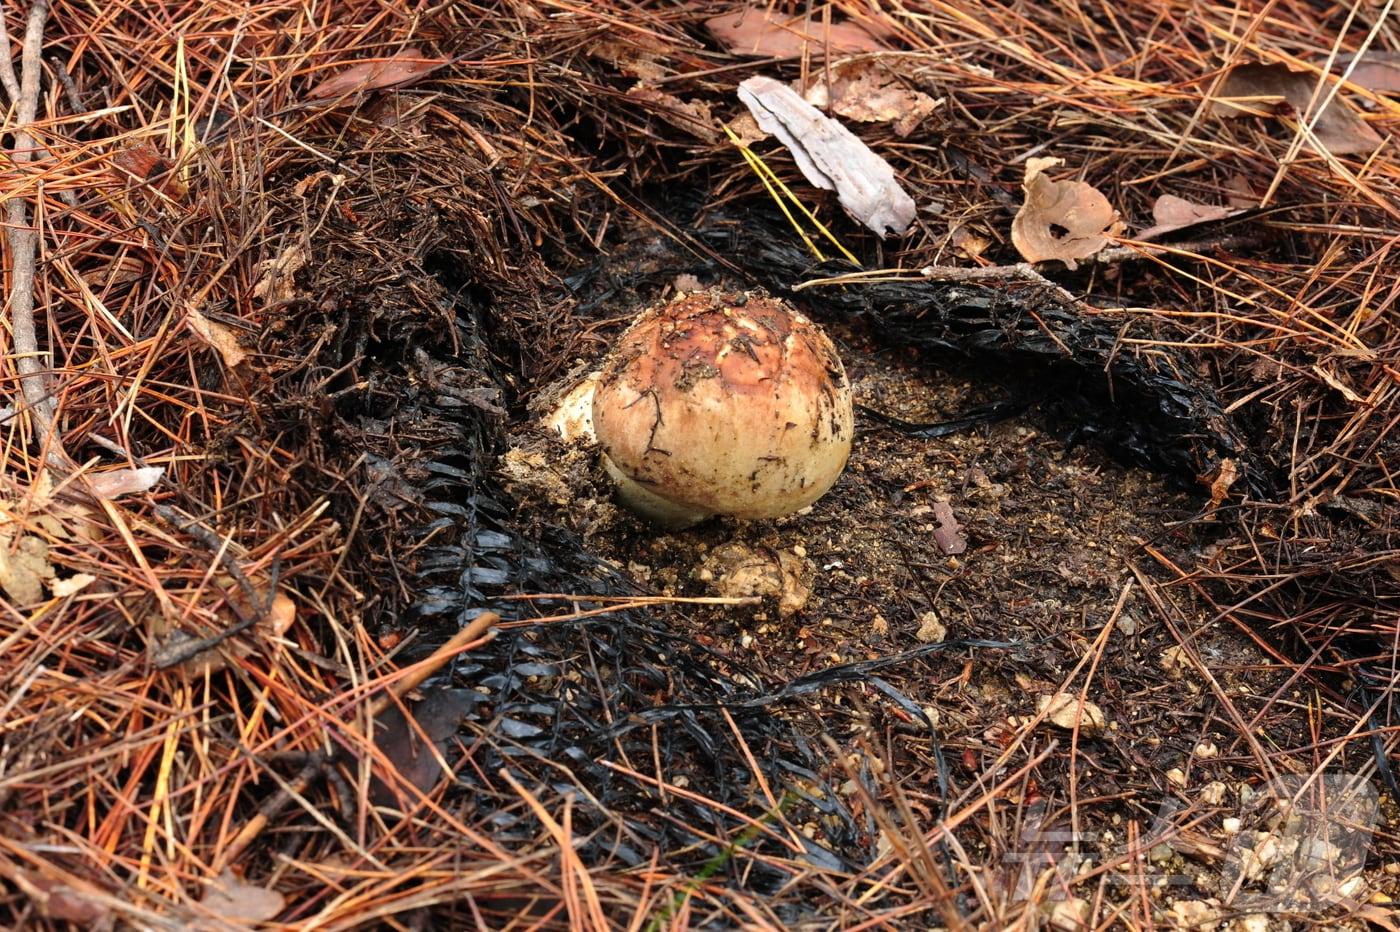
x,y
722,404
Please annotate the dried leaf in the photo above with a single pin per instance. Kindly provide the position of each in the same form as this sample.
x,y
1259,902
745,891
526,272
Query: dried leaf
x,y
867,92
1174,213
1257,86
1063,710
746,129
1239,192
310,181
281,615
1175,659
141,162
1332,379
399,68
766,33
24,565
144,163
229,897
65,904
62,588
115,272
1220,481
59,518
171,647
277,276
693,117
117,482
1378,71
219,336
631,60
830,156
438,716
1064,220
949,534
1071,914
1382,917
970,245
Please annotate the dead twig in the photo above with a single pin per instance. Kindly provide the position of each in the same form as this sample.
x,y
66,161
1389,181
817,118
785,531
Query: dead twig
x,y
24,239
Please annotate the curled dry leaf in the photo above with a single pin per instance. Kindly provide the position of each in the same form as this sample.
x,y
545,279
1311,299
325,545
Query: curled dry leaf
x,y
693,117
277,281
220,336
24,565
1256,87
1064,220
830,155
229,897
144,163
1175,659
1064,710
931,630
311,181
1220,481
968,243
1070,914
281,615
399,68
763,32
1171,213
746,129
867,92
275,622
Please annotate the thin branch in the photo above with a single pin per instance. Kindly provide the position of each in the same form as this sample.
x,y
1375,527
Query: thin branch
x,y
24,242
7,67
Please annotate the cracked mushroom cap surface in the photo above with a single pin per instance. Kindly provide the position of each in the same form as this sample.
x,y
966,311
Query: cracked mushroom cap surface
x,y
725,403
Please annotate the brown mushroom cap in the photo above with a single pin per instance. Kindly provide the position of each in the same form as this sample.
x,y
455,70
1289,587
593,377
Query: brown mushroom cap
x,y
719,403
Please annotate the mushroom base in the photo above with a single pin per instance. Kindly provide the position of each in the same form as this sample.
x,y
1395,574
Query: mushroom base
x,y
645,503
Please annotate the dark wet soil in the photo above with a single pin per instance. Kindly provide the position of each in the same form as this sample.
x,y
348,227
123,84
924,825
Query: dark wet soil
x,y
1054,536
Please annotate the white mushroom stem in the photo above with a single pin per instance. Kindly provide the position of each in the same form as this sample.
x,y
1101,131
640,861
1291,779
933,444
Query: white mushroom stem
x,y
645,503
572,419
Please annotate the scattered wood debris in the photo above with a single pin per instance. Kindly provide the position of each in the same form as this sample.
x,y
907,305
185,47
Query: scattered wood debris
x,y
830,155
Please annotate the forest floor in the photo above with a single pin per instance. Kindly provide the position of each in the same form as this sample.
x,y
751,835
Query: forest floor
x,y
309,621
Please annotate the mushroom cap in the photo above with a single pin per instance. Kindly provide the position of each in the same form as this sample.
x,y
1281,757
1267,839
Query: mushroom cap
x,y
721,403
